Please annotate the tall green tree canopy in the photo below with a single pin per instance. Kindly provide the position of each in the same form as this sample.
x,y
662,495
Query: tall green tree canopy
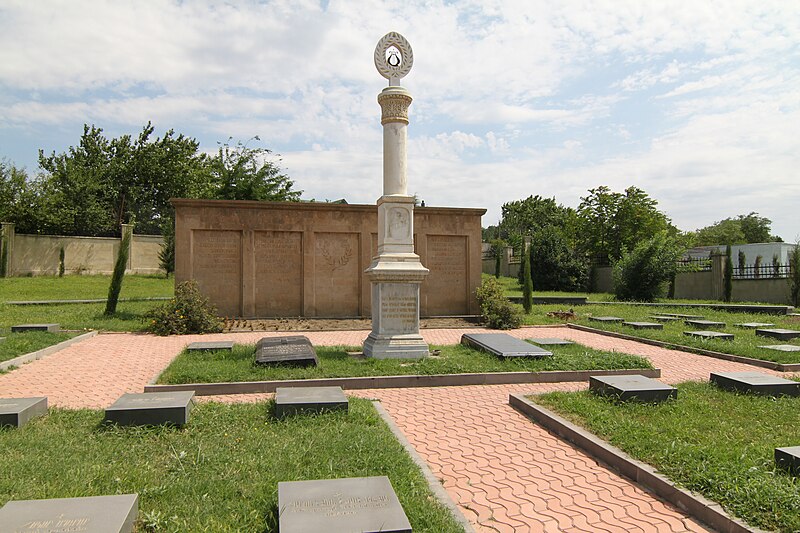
x,y
523,218
610,222
743,229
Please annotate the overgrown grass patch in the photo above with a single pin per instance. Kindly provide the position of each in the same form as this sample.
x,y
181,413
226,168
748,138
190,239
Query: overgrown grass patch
x,y
74,287
16,344
129,316
220,473
715,442
334,362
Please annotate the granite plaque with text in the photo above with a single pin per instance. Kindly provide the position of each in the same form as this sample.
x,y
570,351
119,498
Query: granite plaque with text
x,y
607,319
293,349
210,346
709,335
704,324
780,334
664,318
308,400
632,387
151,409
550,342
782,347
348,505
643,325
94,514
754,325
503,345
680,315
51,328
755,383
18,411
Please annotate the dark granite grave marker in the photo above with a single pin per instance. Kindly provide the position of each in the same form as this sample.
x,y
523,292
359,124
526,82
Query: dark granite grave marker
x,y
151,409
305,400
503,345
295,349
704,324
609,319
643,325
664,318
348,505
685,317
756,383
782,347
18,411
209,346
780,334
52,328
551,342
754,325
94,514
632,387
710,335
788,459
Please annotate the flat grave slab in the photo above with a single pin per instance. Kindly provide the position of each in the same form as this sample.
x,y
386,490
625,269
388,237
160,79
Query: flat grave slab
x,y
685,317
94,514
664,318
632,387
704,324
778,333
643,325
18,411
52,328
609,319
710,335
756,383
782,347
151,409
306,400
551,342
294,349
503,345
347,505
753,325
209,346
788,459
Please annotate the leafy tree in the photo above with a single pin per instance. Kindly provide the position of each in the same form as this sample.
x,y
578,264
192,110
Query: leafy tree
x,y
554,267
743,229
610,222
239,172
19,201
523,218
641,274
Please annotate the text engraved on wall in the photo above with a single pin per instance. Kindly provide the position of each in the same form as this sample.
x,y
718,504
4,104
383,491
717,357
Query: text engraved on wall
x,y
217,267
337,274
446,285
278,273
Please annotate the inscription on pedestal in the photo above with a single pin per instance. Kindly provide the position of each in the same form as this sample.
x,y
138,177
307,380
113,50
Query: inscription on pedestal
x,y
278,273
336,274
217,267
399,308
446,285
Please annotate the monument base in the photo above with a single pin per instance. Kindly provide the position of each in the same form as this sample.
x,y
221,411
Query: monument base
x,y
395,346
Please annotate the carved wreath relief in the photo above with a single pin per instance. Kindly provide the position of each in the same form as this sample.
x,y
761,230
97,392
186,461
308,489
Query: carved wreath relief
x,y
393,57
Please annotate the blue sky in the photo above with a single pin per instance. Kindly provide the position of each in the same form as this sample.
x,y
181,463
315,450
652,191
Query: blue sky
x,y
697,103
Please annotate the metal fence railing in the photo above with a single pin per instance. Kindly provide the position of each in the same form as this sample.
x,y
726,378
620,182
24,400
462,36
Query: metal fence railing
x,y
694,264
764,271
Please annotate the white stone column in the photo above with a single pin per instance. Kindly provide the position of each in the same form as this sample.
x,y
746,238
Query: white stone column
x,y
396,272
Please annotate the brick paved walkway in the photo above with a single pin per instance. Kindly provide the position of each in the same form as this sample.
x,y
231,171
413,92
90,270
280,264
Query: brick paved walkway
x,y
505,473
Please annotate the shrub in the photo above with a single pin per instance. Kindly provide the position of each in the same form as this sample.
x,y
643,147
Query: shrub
x,y
640,275
554,266
728,273
118,274
497,311
188,312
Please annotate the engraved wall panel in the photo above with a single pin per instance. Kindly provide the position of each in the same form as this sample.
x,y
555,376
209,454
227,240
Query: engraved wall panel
x,y
337,274
278,273
217,267
445,291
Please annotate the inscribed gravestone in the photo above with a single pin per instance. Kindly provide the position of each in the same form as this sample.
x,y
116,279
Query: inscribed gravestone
x,y
18,411
151,409
788,459
755,383
503,345
349,505
643,325
52,328
550,342
278,273
632,387
216,265
94,514
704,324
709,335
307,400
336,274
446,286
782,347
609,319
295,349
209,346
778,333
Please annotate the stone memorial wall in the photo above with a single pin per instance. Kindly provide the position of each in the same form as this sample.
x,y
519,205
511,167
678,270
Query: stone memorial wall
x,y
271,259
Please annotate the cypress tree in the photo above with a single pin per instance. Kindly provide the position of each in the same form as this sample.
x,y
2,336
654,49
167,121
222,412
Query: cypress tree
x,y
119,272
728,273
527,282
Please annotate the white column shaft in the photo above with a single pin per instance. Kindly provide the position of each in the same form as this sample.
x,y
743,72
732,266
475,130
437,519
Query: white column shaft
x,y
395,169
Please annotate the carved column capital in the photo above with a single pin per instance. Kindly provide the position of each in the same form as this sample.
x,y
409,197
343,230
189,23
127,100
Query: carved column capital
x,y
394,103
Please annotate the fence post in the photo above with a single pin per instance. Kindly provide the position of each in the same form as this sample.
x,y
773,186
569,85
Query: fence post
x,y
6,249
128,228
718,276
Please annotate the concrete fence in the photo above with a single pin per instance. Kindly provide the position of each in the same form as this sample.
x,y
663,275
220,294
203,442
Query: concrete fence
x,y
38,255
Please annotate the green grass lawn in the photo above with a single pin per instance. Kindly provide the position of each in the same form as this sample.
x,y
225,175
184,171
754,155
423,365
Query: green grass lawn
x,y
76,316
745,342
239,364
714,442
83,287
218,474
16,344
